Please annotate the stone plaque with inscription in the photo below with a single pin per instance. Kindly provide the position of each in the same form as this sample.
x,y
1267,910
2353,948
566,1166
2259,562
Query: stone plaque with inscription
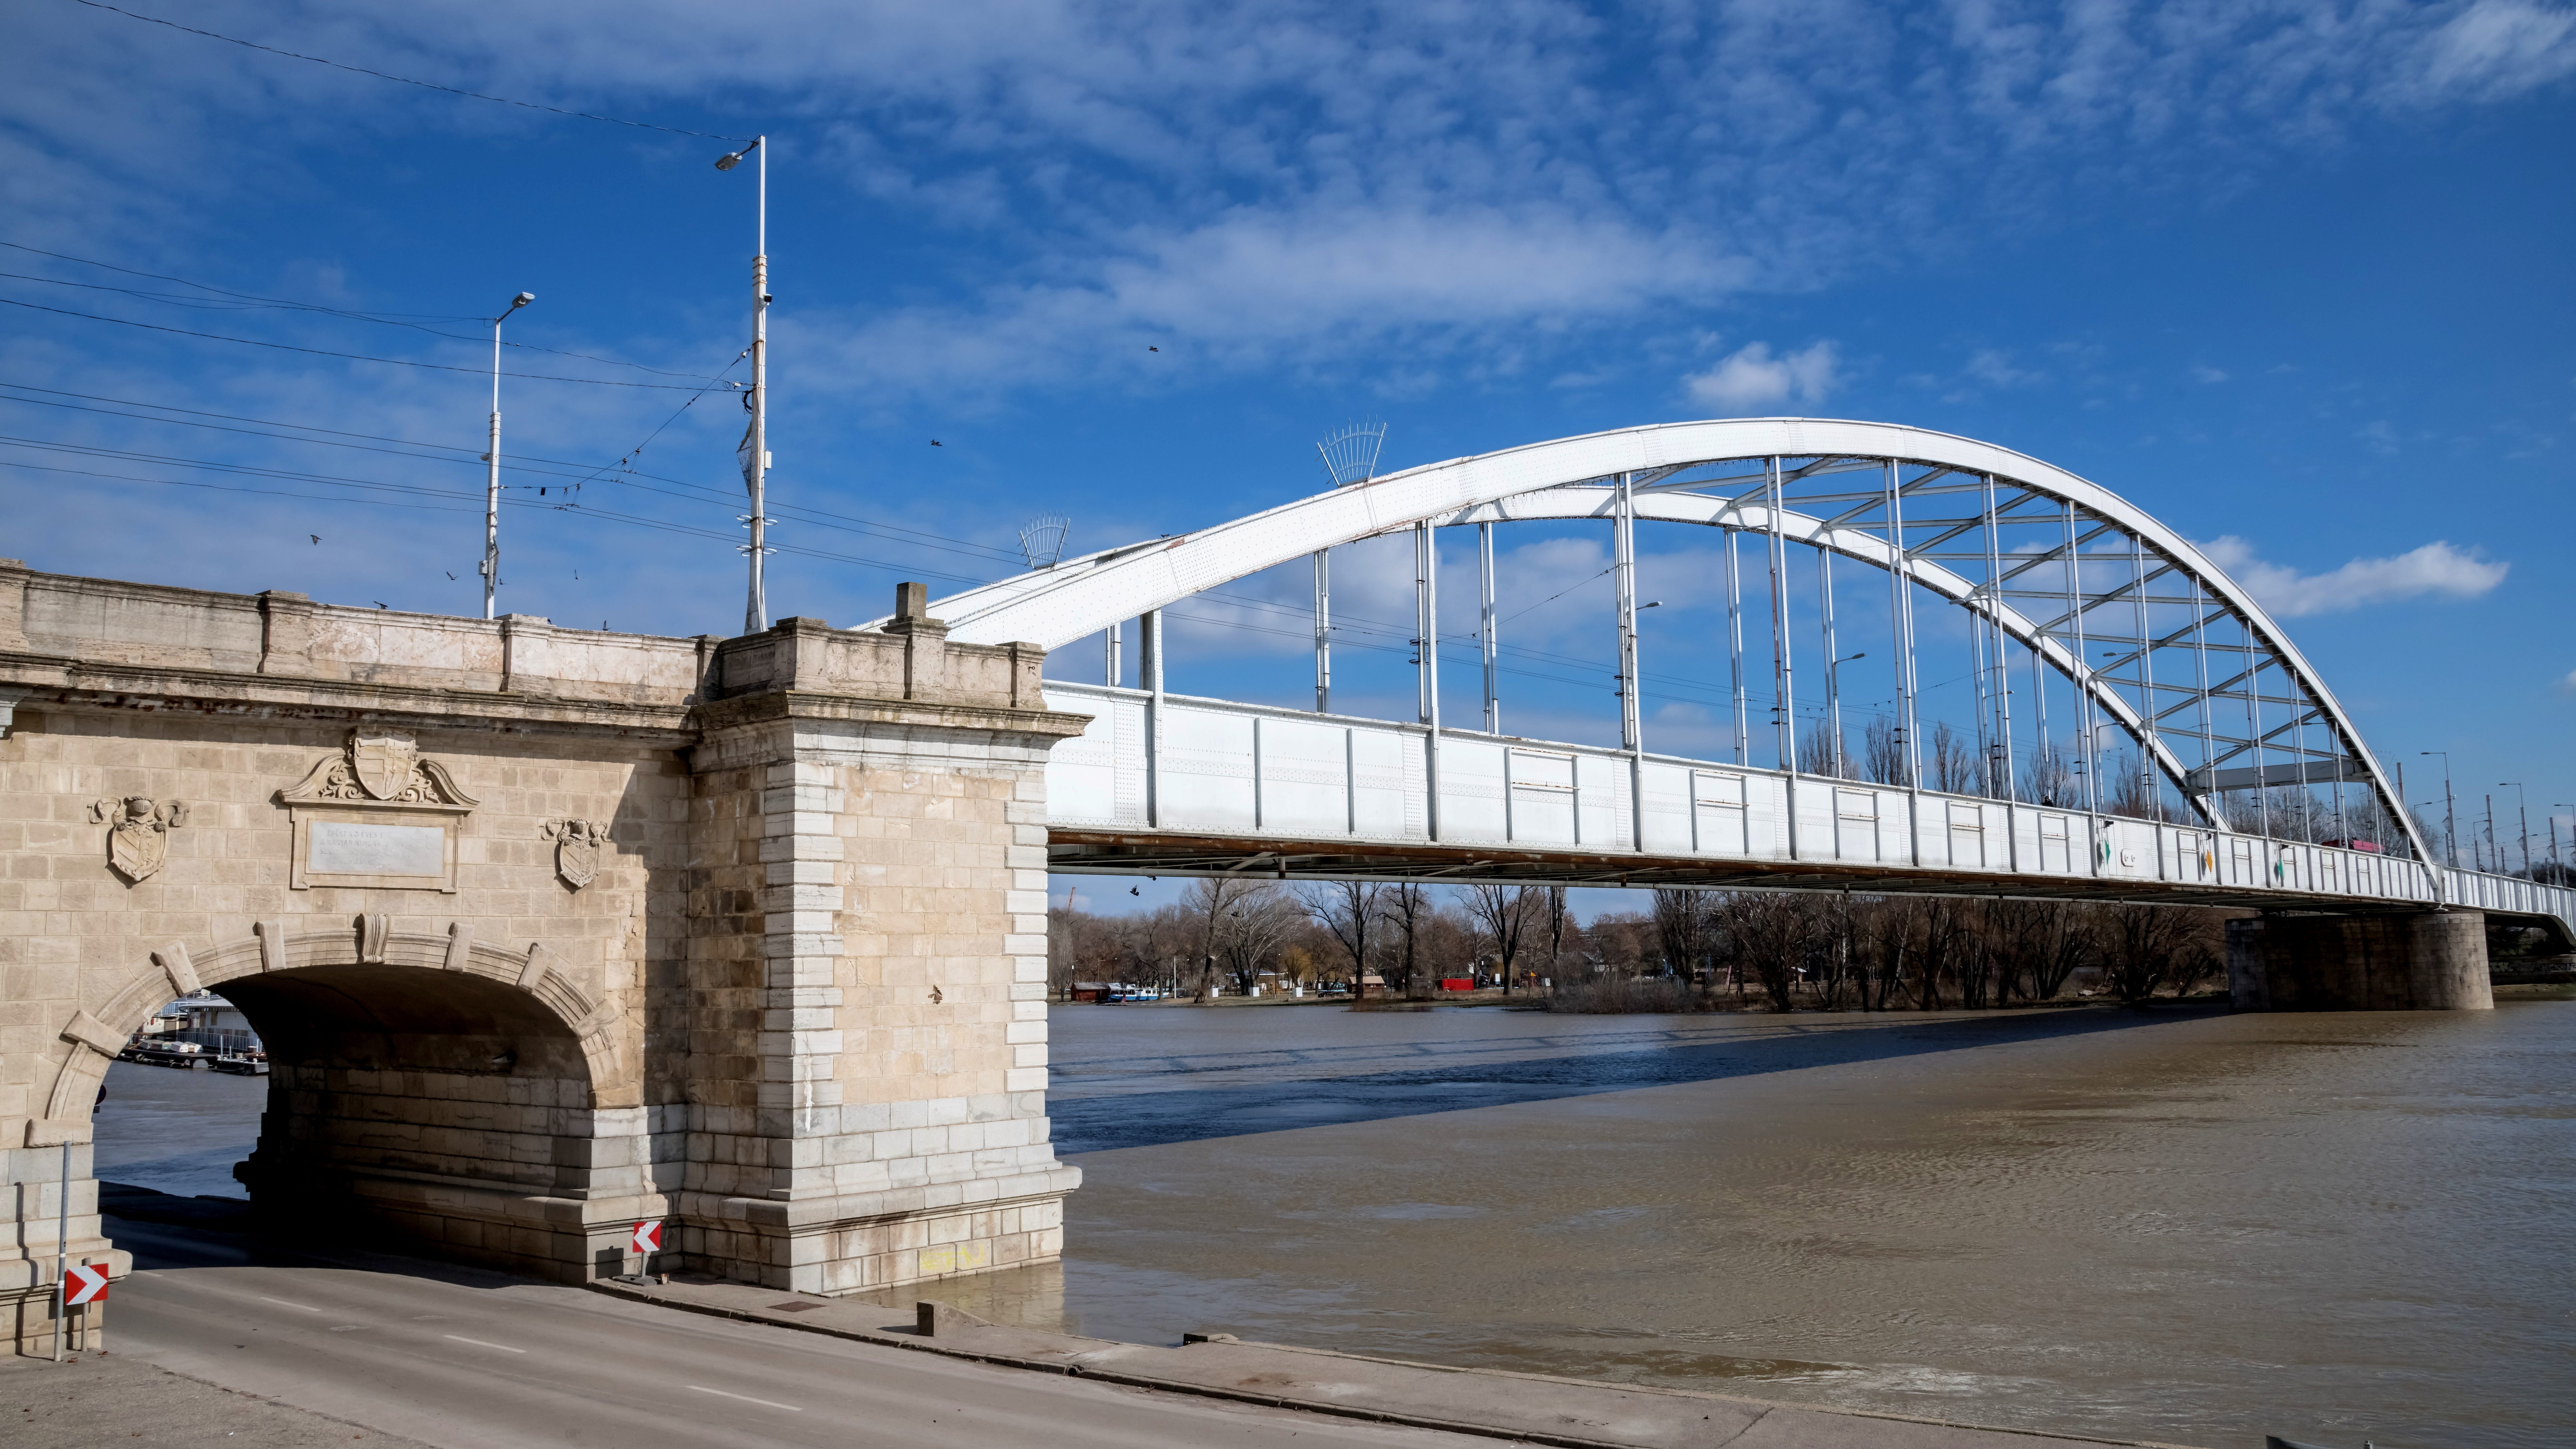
x,y
377,816
358,847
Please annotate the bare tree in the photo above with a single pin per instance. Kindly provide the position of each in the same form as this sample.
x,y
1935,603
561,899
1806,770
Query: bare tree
x,y
2140,947
1350,910
2045,778
1209,898
2041,943
1554,906
1408,909
1882,753
1251,934
1772,933
1955,768
1505,913
1682,930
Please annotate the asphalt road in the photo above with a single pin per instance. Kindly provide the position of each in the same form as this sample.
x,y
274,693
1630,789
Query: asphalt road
x,y
461,1360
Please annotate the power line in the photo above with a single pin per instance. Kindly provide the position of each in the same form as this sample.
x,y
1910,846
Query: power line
x,y
385,319
326,352
404,79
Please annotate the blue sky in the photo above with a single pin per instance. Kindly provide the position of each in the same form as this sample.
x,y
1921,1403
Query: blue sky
x,y
2291,275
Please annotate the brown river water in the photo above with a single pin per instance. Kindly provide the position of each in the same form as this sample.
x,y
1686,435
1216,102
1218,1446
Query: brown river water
x,y
2182,1226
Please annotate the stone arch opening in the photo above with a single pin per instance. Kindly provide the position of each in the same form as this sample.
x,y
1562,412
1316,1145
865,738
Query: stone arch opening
x,y
426,1091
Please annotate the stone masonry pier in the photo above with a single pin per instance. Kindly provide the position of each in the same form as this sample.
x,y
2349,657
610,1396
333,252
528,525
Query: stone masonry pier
x,y
546,930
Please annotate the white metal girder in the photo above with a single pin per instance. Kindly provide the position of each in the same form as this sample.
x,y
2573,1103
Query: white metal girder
x,y
1052,607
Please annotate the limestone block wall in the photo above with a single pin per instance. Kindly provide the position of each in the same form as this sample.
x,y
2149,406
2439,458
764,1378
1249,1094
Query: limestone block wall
x,y
749,933
76,936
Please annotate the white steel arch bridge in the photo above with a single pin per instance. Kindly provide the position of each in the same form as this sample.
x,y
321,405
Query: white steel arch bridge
x,y
2137,631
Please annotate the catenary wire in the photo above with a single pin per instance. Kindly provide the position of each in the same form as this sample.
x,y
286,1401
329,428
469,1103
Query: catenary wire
x,y
407,80
252,299
353,356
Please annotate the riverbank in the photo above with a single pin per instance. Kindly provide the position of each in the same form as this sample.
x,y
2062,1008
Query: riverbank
x,y
1522,1408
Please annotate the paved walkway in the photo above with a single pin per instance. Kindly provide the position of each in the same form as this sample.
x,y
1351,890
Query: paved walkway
x,y
1518,1407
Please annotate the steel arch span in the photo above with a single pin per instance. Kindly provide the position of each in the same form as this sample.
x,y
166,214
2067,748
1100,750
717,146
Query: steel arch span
x,y
1898,498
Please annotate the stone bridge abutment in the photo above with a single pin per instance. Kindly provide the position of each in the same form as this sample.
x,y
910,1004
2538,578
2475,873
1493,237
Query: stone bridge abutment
x,y
545,930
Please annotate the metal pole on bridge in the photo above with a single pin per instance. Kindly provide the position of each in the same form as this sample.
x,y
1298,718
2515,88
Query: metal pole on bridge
x,y
1323,633
1901,606
2450,810
1735,650
1490,640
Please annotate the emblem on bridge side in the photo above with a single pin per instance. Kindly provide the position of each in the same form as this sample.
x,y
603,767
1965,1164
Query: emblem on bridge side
x,y
383,762
384,766
138,833
376,816
577,847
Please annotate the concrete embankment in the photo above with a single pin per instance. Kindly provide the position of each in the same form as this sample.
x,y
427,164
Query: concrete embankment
x,y
1524,1408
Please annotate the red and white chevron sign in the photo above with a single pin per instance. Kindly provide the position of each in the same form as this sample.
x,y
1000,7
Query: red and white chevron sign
x,y
648,1237
85,1283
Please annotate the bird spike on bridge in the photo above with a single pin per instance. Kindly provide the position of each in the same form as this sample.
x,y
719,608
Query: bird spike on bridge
x,y
1042,539
2124,627
1350,455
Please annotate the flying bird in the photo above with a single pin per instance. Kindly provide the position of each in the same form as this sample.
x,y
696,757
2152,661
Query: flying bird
x,y
317,538
380,603
1134,891
1151,348
937,444
451,577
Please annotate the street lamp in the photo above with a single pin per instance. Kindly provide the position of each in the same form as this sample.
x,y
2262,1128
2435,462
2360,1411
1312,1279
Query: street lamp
x,y
492,474
2450,809
1834,706
755,440
2522,802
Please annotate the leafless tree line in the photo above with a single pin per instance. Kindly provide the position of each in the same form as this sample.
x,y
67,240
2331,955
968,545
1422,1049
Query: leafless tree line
x,y
1879,953
1237,933
1694,950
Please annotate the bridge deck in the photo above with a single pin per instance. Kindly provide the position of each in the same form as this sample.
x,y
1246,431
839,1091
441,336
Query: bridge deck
x,y
1175,785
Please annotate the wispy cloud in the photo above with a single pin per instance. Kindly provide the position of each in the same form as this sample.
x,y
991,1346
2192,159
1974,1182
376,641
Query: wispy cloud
x,y
1752,378
2435,570
1286,183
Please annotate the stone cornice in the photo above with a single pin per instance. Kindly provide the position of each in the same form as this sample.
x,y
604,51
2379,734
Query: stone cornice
x,y
1040,726
72,684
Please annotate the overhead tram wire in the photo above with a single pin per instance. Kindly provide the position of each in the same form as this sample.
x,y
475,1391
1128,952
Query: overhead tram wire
x,y
327,352
404,79
252,300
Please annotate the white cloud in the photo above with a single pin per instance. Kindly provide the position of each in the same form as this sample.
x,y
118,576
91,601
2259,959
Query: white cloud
x,y
1283,183
1751,378
2498,48
2202,372
1994,367
2569,683
2437,569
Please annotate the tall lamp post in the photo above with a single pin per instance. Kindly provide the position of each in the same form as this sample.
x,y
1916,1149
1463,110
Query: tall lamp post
x,y
1834,707
492,473
755,468
2450,809
2522,802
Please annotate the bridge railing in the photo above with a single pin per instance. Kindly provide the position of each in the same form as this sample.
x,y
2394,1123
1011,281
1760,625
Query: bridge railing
x,y
1207,767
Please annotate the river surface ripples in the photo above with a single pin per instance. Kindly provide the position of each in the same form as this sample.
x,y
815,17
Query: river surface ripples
x,y
2182,1226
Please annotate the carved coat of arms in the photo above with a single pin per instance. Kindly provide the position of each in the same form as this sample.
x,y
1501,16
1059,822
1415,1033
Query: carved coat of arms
x,y
138,833
378,765
577,849
382,762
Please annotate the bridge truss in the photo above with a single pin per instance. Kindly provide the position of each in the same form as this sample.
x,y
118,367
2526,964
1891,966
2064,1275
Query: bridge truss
x,y
2128,625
